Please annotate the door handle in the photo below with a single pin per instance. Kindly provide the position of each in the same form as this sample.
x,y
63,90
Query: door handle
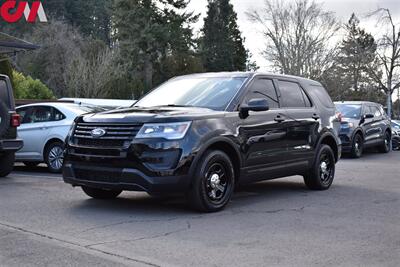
x,y
279,119
315,116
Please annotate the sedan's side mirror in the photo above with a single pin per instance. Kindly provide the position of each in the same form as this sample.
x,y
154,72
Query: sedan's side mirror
x,y
256,104
368,116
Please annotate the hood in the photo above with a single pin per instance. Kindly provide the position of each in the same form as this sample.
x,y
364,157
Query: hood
x,y
154,114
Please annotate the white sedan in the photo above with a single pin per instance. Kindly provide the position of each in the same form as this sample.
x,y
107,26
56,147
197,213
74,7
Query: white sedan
x,y
44,127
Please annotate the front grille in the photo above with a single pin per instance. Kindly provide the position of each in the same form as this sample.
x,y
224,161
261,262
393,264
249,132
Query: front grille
x,y
116,138
97,176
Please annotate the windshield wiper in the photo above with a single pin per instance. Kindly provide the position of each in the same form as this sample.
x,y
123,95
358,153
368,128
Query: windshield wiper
x,y
175,105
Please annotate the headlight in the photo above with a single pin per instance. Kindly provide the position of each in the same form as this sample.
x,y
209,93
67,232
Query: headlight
x,y
170,131
351,125
71,130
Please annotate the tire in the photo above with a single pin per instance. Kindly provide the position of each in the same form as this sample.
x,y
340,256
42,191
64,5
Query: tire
x,y
357,146
101,193
31,164
4,118
213,183
321,175
6,164
54,156
385,146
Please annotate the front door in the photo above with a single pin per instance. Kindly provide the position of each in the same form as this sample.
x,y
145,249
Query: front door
x,y
263,133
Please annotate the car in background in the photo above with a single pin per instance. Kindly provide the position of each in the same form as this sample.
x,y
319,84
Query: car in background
x,y
104,103
364,124
44,127
396,135
9,121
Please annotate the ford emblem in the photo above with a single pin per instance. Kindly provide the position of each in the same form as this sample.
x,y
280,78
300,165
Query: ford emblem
x,y
98,132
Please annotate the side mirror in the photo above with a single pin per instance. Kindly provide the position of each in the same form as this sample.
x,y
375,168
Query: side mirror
x,y
368,116
256,104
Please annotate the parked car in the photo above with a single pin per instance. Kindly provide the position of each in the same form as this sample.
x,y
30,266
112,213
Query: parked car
x,y
104,103
364,124
44,127
396,135
202,134
9,121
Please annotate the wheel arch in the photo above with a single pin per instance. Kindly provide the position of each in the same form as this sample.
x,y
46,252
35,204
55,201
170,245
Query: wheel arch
x,y
228,147
48,143
330,140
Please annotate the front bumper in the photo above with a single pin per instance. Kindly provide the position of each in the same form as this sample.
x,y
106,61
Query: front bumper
x,y
127,179
11,145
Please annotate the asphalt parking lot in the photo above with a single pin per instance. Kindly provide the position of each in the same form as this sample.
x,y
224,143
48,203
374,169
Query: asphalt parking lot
x,y
44,222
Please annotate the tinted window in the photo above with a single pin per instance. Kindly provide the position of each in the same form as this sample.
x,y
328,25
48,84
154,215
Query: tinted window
x,y
351,111
292,95
376,112
263,88
207,92
3,92
322,95
57,116
23,112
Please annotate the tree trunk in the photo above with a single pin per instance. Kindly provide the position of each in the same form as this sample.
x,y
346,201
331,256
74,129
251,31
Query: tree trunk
x,y
389,98
148,72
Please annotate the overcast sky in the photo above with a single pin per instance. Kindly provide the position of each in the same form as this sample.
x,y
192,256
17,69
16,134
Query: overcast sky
x,y
342,8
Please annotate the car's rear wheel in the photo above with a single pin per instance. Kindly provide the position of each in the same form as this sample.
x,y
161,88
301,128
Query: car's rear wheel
x,y
385,146
213,183
31,164
101,193
6,163
357,147
321,175
54,156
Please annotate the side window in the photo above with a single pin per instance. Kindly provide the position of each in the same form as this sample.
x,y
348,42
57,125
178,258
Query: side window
x,y
377,113
3,92
263,88
293,96
24,113
57,116
40,114
369,110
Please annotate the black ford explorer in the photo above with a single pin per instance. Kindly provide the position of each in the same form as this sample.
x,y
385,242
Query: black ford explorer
x,y
201,135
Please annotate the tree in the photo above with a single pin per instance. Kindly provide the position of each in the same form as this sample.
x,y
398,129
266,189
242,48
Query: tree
x,y
388,56
298,36
148,31
348,78
222,46
28,88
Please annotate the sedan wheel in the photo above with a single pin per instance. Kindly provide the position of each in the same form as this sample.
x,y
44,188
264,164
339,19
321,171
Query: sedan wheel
x,y
55,157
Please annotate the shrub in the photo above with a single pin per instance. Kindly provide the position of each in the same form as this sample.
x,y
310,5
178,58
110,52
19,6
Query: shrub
x,y
27,88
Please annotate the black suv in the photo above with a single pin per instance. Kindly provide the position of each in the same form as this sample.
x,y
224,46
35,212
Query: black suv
x,y
364,124
203,134
9,121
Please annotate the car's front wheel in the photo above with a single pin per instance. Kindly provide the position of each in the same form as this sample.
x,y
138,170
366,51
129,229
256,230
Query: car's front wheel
x,y
101,193
385,146
6,163
321,175
357,147
54,156
213,182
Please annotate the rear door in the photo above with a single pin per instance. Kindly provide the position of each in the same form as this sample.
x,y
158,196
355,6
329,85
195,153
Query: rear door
x,y
370,125
303,121
34,130
263,133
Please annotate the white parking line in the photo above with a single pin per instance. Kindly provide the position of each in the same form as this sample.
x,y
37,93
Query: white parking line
x,y
15,174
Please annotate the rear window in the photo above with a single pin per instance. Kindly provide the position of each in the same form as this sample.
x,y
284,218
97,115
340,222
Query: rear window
x,y
4,93
322,96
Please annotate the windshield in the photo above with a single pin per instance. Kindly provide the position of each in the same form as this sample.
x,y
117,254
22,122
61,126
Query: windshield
x,y
349,111
205,92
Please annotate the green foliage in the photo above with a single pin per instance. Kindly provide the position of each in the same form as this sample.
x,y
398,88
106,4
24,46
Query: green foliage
x,y
149,34
5,67
348,78
25,87
222,46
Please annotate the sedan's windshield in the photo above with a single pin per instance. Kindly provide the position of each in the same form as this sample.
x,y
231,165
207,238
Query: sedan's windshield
x,y
349,111
206,92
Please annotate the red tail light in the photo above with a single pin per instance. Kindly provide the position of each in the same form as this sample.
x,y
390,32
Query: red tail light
x,y
15,120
